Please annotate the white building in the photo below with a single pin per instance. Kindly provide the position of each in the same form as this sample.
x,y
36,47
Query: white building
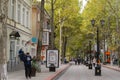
x,y
18,25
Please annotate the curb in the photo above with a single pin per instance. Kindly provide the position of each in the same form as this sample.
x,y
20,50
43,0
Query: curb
x,y
57,73
111,68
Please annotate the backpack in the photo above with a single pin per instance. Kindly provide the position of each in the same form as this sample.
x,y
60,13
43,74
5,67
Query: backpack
x,y
22,57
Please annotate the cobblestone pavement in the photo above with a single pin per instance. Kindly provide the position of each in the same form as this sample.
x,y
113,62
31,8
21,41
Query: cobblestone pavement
x,y
81,72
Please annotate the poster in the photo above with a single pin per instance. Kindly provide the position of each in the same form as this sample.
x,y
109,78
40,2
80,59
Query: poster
x,y
52,57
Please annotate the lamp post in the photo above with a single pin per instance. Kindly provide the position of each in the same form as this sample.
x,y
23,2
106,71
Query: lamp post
x,y
98,67
102,24
90,64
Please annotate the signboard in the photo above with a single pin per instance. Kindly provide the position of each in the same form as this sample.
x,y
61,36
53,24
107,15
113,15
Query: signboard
x,y
52,57
34,40
107,53
45,38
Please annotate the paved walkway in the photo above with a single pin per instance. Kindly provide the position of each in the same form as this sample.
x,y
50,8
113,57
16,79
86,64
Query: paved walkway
x,y
43,75
114,67
81,72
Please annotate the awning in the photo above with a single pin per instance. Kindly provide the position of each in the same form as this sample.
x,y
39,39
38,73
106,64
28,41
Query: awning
x,y
15,34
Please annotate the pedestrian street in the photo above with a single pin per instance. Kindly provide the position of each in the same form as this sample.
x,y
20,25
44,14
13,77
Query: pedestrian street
x,y
81,72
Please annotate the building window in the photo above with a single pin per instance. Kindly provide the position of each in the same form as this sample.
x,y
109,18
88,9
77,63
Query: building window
x,y
48,24
18,42
27,18
23,15
33,52
17,46
12,9
17,50
19,13
44,25
12,49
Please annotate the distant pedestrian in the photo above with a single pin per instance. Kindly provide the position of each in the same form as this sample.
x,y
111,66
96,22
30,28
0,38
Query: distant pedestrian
x,y
65,60
27,64
85,60
78,60
94,61
75,61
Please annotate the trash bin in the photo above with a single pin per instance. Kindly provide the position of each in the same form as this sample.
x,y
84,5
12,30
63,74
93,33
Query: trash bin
x,y
86,63
98,70
52,68
90,66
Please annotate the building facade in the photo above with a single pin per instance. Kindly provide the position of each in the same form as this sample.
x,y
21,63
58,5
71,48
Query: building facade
x,y
19,33
46,35
46,28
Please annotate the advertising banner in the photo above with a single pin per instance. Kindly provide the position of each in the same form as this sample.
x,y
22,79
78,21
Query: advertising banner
x,y
52,57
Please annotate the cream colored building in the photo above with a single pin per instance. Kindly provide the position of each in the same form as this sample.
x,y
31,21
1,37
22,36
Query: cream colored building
x,y
19,24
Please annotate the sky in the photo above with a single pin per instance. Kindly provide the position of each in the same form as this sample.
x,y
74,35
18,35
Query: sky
x,y
83,4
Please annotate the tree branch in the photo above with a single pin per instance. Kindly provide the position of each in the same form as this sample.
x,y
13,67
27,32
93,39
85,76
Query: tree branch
x,y
54,1
62,20
112,7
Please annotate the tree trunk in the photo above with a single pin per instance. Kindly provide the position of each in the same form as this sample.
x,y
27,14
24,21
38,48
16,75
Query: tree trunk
x,y
65,43
52,25
3,51
64,47
39,44
118,56
3,38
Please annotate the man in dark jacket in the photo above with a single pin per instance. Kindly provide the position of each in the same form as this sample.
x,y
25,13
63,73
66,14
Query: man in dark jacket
x,y
27,64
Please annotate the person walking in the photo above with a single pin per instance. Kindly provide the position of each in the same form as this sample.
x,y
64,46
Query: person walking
x,y
78,60
75,61
94,61
27,64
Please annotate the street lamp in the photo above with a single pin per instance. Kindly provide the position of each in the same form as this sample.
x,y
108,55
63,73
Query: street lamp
x,y
90,37
90,64
98,67
102,24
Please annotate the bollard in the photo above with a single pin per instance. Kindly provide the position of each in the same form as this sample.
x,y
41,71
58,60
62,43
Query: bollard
x,y
90,66
98,70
